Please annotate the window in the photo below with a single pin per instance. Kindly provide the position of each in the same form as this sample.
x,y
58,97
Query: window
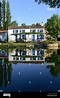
x,y
42,36
20,31
34,30
13,31
23,30
38,31
41,30
16,31
30,30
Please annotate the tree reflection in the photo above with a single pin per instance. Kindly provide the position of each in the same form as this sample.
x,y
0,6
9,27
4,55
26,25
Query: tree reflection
x,y
5,72
54,70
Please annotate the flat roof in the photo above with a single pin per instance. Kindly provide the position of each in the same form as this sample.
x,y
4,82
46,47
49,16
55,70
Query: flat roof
x,y
24,27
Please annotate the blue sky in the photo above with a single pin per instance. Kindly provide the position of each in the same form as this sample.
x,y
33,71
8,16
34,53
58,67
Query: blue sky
x,y
29,12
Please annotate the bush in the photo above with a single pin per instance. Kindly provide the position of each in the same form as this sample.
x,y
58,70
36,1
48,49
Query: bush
x,y
11,43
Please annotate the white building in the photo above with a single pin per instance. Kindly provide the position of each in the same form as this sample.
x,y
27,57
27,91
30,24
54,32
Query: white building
x,y
3,35
27,55
26,33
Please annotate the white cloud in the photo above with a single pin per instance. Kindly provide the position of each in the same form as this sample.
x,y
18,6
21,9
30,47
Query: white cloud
x,y
50,9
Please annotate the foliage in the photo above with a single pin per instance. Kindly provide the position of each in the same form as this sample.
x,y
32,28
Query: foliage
x,y
53,25
51,3
5,15
14,23
23,24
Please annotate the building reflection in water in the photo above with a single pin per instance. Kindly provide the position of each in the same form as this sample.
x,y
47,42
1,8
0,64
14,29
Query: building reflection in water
x,y
26,56
5,68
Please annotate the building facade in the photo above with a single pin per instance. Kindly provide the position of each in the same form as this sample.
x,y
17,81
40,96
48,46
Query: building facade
x,y
26,33
3,35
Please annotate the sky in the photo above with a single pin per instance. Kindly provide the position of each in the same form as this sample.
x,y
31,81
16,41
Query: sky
x,y
29,12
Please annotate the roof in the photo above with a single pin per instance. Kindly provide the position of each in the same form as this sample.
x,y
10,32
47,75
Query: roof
x,y
24,27
3,31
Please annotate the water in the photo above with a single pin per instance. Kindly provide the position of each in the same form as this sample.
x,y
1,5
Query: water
x,y
30,70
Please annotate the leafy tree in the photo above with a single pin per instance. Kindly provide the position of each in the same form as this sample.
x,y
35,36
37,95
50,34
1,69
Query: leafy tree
x,y
14,23
8,15
0,14
38,24
51,3
54,70
5,15
23,24
53,25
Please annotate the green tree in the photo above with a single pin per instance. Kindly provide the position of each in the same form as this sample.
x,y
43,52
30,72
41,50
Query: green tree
x,y
14,23
53,25
38,24
8,15
23,24
54,70
51,3
0,14
5,15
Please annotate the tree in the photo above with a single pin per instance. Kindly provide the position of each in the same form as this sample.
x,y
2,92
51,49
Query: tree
x,y
53,25
0,14
51,3
38,24
14,23
8,15
23,24
5,15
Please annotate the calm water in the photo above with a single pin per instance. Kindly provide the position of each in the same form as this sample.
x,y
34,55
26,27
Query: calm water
x,y
30,70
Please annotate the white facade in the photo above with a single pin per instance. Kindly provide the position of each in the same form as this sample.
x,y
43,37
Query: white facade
x,y
27,55
29,33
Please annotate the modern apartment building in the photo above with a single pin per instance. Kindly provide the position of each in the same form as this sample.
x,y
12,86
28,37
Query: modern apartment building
x,y
26,33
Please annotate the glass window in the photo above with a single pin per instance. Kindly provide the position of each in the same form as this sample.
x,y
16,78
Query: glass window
x,y
16,31
38,30
23,30
41,30
20,31
30,30
42,36
34,30
13,31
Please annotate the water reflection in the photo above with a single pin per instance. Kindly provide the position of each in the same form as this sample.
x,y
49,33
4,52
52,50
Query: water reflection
x,y
5,69
49,59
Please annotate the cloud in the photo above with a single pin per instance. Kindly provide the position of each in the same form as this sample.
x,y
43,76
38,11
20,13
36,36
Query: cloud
x,y
50,9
